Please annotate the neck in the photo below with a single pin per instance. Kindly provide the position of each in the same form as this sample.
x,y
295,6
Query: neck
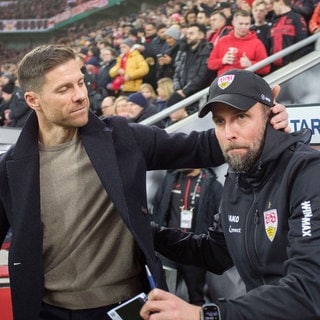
x,y
260,23
56,136
284,10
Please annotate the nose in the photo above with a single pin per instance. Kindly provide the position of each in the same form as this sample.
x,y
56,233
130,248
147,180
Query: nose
x,y
230,131
80,93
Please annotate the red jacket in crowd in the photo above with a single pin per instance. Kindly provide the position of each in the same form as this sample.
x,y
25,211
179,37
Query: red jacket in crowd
x,y
249,46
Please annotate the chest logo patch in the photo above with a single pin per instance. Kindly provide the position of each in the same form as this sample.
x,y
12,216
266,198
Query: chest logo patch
x,y
271,223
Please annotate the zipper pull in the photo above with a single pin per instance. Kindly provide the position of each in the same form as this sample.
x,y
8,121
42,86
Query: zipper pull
x,y
256,217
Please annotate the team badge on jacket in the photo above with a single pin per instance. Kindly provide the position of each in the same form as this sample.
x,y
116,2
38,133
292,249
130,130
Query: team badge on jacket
x,y
271,223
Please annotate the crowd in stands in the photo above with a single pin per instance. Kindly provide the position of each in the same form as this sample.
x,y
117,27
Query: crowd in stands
x,y
162,55
35,9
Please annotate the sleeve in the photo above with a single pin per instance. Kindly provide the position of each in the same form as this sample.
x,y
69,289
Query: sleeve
x,y
314,23
204,251
114,70
4,223
177,150
261,54
201,77
215,58
301,28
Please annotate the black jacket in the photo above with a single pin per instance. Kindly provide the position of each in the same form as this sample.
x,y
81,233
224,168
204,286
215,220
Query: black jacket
x,y
191,69
121,154
270,218
208,205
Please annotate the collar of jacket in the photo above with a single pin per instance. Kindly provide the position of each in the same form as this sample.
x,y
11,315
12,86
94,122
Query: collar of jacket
x,y
27,143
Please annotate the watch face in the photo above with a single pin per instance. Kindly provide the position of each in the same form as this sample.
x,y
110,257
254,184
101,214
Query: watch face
x,y
211,313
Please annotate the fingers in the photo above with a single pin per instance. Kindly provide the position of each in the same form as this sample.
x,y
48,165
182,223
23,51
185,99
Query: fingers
x,y
280,118
275,92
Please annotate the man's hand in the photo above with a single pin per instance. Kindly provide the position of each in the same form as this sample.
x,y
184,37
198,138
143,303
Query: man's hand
x,y
162,305
280,117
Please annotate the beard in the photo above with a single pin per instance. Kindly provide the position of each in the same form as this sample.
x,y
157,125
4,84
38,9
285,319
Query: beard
x,y
243,163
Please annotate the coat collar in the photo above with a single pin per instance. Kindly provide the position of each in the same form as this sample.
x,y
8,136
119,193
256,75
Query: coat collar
x,y
99,145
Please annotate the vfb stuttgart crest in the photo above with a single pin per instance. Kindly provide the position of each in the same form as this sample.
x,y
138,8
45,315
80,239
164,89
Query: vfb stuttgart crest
x,y
271,223
225,81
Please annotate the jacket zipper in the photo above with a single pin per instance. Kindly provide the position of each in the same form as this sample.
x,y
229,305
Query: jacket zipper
x,y
248,230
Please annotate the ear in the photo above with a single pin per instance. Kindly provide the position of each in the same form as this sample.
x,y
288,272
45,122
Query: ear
x,y
32,100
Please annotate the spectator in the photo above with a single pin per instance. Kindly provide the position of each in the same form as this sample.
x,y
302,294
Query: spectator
x,y
240,49
103,79
227,9
314,24
304,8
208,6
218,27
3,108
129,69
107,106
288,28
188,199
260,25
203,18
267,224
95,97
270,11
166,61
190,17
121,107
149,52
139,109
16,108
148,92
191,72
165,91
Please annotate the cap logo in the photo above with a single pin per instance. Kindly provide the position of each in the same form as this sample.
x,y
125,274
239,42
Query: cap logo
x,y
265,98
225,81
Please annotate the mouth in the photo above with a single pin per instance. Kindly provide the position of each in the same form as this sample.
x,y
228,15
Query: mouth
x,y
79,110
237,149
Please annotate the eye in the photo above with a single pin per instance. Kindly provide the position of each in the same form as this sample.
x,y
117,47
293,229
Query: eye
x,y
242,115
218,121
63,89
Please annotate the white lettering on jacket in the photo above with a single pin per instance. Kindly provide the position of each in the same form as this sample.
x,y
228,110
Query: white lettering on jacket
x,y
234,230
306,220
233,218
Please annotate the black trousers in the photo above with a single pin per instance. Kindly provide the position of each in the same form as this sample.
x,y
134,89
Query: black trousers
x,y
49,312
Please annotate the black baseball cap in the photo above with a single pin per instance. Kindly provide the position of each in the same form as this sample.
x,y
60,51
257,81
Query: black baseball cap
x,y
240,89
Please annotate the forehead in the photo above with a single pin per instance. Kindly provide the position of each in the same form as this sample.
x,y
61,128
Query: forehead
x,y
222,109
193,30
63,73
260,6
241,19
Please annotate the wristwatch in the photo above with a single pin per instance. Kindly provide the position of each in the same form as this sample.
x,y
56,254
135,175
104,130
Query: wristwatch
x,y
210,311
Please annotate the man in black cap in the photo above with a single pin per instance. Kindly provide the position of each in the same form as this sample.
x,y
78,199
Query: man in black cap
x,y
268,221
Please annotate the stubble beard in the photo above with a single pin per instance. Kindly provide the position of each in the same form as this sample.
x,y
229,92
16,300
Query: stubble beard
x,y
243,163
